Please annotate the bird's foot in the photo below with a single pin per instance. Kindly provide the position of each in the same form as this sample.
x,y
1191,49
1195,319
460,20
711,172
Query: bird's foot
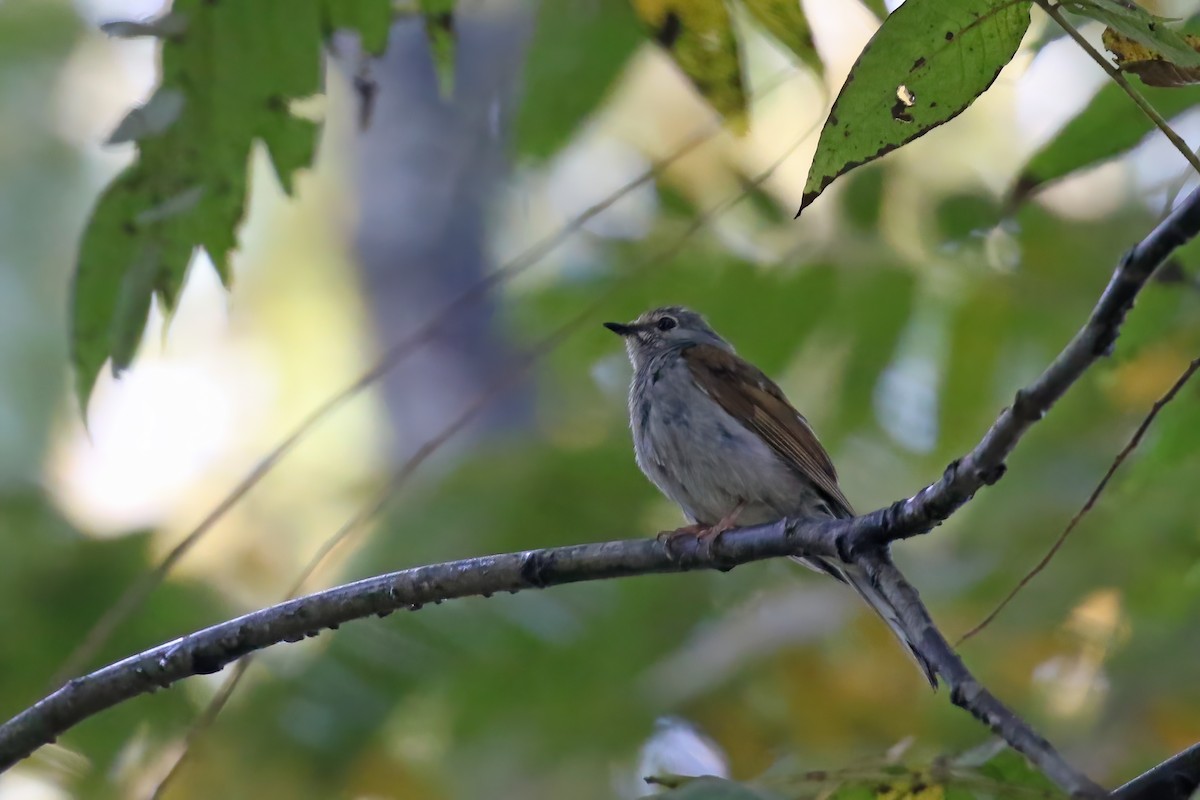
x,y
705,535
671,539
709,536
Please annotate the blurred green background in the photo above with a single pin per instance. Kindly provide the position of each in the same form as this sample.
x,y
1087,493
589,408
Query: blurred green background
x,y
900,313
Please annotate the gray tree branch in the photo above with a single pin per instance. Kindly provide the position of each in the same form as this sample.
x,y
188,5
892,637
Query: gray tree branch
x,y
864,539
1177,778
965,691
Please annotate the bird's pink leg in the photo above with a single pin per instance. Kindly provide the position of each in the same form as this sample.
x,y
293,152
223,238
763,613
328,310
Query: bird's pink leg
x,y
706,535
709,536
670,537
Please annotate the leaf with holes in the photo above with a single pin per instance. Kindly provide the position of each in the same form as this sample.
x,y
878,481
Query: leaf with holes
x,y
698,35
926,64
229,73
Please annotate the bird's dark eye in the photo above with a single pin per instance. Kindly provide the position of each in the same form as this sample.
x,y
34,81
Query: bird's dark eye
x,y
666,323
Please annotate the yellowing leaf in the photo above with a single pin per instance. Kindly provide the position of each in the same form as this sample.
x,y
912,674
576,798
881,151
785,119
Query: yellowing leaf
x,y
1148,64
910,789
699,36
1139,24
785,20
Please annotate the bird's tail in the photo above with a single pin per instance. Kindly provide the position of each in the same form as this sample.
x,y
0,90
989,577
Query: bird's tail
x,y
866,588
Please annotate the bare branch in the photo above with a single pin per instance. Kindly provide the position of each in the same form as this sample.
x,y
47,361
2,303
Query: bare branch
x,y
1177,778
965,691
209,650
1129,447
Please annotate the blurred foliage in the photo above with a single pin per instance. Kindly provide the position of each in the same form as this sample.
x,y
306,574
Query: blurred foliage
x,y
1105,128
786,21
578,49
41,175
1000,776
900,341
699,36
48,600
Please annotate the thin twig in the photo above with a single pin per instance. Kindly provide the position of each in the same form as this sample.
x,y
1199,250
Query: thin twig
x,y
138,591
1118,77
1129,447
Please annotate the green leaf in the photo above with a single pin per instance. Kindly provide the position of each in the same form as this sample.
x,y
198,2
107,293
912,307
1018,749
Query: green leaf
x,y
229,72
1140,25
786,22
698,35
876,307
926,64
1107,127
862,198
579,48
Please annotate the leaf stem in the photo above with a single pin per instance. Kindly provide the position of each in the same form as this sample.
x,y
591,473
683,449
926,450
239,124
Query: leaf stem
x,y
1052,9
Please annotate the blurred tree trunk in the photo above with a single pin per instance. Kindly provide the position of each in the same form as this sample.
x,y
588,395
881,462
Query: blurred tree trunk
x,y
428,170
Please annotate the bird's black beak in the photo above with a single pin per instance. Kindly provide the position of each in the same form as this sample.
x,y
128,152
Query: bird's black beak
x,y
620,328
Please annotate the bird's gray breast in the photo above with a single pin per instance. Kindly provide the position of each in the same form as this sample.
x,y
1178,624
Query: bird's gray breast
x,y
701,457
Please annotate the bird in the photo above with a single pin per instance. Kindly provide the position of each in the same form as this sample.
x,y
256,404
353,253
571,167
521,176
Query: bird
x,y
721,440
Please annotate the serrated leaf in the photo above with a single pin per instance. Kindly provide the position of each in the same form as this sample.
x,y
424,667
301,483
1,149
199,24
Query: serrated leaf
x,y
1148,64
225,84
698,34
926,64
579,48
786,21
1108,126
1140,25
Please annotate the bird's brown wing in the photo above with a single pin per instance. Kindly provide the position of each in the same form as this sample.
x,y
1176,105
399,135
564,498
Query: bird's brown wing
x,y
753,399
